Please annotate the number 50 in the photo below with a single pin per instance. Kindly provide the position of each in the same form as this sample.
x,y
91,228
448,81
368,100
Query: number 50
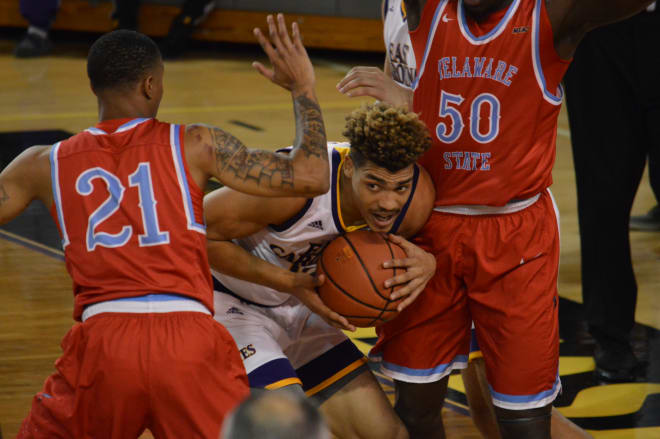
x,y
449,104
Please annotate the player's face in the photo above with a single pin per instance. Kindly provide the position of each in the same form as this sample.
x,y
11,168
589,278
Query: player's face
x,y
380,194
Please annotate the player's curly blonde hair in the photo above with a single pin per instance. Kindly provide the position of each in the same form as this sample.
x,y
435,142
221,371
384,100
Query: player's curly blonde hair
x,y
391,137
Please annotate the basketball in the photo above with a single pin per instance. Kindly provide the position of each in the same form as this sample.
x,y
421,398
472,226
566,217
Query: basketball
x,y
355,277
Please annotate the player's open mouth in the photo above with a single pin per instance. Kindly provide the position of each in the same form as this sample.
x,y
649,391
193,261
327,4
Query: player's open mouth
x,y
383,220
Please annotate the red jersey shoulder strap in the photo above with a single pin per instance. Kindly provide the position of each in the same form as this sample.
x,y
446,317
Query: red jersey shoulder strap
x,y
422,37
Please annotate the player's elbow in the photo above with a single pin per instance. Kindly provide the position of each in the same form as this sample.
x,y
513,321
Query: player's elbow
x,y
322,186
317,184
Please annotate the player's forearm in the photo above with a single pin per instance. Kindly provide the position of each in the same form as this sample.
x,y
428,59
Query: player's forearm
x,y
572,19
309,156
405,97
232,260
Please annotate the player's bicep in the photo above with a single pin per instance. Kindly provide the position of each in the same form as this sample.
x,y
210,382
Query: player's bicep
x,y
253,171
26,178
420,207
572,19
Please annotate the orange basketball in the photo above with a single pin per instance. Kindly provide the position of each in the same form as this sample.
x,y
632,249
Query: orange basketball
x,y
355,277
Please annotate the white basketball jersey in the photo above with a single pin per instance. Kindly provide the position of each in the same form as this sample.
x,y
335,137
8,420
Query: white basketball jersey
x,y
297,244
397,41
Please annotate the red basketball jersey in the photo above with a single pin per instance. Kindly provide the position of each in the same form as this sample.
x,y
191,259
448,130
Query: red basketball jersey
x,y
490,94
129,213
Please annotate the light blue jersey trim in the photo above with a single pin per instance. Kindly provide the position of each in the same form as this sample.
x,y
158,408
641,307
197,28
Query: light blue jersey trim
x,y
521,402
536,58
147,304
57,198
494,33
434,25
440,369
124,127
131,124
96,131
175,131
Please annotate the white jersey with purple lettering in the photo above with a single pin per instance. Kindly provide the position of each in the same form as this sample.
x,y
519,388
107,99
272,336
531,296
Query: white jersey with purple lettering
x,y
297,243
400,54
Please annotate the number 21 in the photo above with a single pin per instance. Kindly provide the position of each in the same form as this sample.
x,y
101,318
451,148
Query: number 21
x,y
141,179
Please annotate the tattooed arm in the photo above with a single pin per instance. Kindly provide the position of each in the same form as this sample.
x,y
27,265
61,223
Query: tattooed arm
x,y
26,178
305,171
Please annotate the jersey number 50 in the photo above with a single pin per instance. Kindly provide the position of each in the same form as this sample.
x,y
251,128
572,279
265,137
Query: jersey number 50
x,y
449,107
141,179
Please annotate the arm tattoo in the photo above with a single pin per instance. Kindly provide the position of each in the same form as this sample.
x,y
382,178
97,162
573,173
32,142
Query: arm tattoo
x,y
4,196
263,167
310,131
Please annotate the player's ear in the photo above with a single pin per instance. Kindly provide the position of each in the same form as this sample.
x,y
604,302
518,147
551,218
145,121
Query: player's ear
x,y
148,87
348,168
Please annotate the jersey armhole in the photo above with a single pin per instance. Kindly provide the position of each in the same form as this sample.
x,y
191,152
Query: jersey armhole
x,y
545,22
194,210
404,210
56,209
542,43
294,219
192,184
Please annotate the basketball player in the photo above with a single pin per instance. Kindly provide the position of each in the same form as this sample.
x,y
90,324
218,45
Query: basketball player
x,y
393,85
370,81
261,277
488,88
126,195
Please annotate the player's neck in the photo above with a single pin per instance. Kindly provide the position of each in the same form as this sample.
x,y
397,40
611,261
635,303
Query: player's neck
x,y
123,109
480,15
350,214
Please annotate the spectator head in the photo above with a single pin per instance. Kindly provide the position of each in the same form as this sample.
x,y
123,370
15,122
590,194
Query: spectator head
x,y
275,415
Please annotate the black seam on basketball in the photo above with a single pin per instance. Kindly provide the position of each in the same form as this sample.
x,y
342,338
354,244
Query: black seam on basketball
x,y
343,290
364,267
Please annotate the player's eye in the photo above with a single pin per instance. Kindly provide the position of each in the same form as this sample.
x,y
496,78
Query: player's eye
x,y
402,189
373,186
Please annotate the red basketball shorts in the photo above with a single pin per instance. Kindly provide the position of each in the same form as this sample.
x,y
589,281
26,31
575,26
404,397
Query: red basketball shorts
x,y
175,373
499,270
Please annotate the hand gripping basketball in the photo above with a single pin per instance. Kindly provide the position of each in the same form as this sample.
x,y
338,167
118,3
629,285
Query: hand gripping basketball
x,y
355,277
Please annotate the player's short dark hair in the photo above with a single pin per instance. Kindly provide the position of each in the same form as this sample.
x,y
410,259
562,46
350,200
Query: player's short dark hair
x,y
120,59
391,137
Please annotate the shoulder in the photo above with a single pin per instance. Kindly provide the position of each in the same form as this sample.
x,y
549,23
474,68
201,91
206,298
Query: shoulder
x,y
36,158
32,168
421,205
198,134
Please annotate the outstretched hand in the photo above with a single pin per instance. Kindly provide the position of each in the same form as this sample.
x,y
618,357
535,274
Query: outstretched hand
x,y
305,290
292,68
372,81
420,267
